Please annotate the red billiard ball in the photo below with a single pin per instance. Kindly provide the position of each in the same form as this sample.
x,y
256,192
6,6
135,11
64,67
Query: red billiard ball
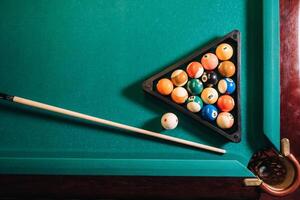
x,y
225,103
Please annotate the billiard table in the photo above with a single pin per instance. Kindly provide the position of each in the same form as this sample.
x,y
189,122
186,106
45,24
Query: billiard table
x,y
93,56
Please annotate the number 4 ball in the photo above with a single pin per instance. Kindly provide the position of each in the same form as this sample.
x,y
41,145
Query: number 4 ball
x,y
169,121
209,112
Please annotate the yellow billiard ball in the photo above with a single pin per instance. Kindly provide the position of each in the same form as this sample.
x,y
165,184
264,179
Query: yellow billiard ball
x,y
209,95
224,51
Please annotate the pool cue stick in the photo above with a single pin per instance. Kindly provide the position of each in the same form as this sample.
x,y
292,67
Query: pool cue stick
x,y
78,115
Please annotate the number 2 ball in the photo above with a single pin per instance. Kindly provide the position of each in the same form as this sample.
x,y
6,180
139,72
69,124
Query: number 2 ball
x,y
194,104
209,112
194,70
225,120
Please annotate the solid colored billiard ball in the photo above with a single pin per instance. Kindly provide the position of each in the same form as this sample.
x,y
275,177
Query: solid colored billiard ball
x,y
209,95
225,103
226,85
194,86
209,112
209,78
164,86
209,61
226,68
169,121
224,51
225,120
179,95
179,77
194,104
194,70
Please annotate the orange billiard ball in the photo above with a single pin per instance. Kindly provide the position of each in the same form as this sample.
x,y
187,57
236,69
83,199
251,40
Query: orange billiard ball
x,y
225,103
179,95
226,68
164,86
224,51
209,61
179,77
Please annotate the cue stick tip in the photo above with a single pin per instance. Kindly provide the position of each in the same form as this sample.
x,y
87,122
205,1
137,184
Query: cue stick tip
x,y
6,97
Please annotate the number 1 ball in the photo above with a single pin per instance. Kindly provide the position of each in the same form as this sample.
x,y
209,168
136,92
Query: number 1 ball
x,y
225,120
164,86
209,61
194,70
169,121
209,112
179,95
224,51
194,104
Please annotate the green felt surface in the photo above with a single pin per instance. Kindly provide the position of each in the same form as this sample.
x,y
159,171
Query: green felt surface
x,y
92,57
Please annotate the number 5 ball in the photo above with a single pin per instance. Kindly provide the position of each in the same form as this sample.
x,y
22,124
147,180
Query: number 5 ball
x,y
164,86
169,121
225,103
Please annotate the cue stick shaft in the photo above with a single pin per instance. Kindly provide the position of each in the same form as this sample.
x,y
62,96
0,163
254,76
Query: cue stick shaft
x,y
55,109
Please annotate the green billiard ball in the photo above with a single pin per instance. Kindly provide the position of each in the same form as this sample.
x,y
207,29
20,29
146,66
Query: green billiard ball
x,y
194,104
194,86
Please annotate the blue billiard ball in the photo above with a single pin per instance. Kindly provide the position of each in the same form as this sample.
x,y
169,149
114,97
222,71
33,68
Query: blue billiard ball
x,y
226,85
209,112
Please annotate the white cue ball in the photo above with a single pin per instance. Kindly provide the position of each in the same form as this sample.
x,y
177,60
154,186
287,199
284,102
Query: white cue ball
x,y
169,121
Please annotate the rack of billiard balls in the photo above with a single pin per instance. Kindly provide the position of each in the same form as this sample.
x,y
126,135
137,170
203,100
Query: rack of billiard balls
x,y
198,87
